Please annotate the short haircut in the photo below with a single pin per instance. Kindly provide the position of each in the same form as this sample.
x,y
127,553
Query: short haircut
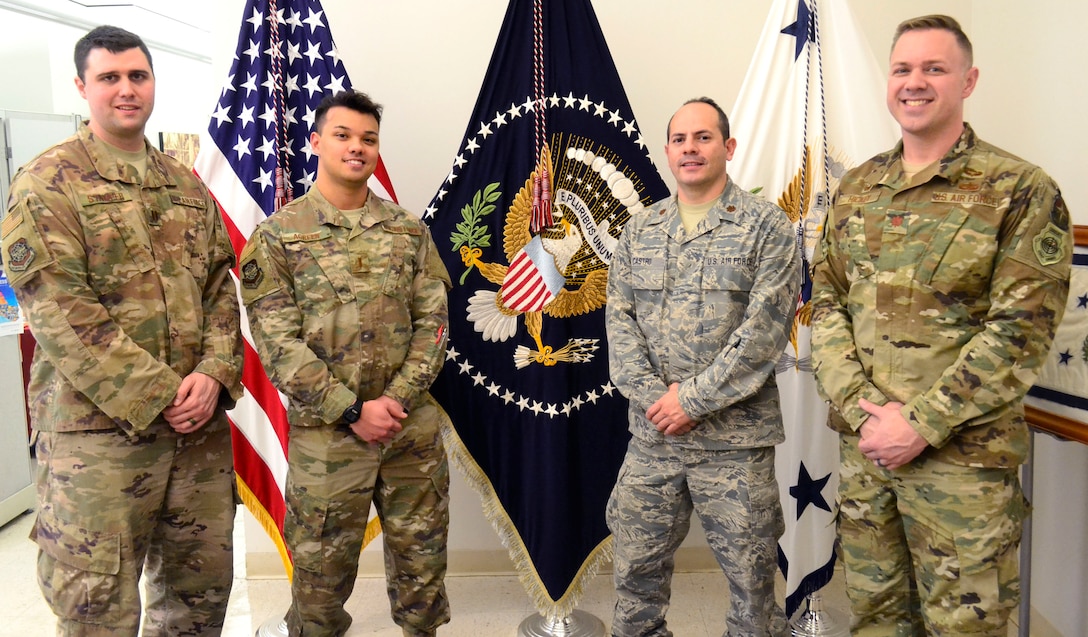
x,y
113,39
943,23
356,101
723,119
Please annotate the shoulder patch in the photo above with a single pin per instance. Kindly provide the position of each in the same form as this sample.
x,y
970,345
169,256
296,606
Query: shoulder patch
x,y
1049,245
257,276
252,274
20,255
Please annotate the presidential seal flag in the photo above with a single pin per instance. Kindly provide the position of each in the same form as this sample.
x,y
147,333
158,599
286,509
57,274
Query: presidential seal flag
x,y
810,108
552,166
254,157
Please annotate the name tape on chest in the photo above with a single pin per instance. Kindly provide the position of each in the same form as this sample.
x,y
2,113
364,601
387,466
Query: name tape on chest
x,y
972,198
105,197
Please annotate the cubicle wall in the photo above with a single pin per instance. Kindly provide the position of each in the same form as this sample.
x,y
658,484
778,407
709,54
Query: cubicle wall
x,y
22,137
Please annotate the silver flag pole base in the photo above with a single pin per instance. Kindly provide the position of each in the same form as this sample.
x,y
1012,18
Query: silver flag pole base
x,y
275,627
577,624
815,621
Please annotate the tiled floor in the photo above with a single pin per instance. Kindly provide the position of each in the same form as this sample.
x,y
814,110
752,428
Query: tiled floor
x,y
492,606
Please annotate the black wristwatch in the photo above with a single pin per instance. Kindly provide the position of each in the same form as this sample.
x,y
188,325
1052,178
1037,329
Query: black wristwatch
x,y
351,414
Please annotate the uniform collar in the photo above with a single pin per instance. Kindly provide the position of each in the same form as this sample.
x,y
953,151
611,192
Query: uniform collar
x,y
110,168
724,210
954,166
374,212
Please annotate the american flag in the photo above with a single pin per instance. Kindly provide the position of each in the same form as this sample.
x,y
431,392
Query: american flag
x,y
255,156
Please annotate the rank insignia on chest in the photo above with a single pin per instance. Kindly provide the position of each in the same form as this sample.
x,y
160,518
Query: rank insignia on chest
x,y
252,275
897,222
1049,245
20,256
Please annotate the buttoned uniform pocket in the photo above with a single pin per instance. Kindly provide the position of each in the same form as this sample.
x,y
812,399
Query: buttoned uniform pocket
x,y
399,267
117,249
958,260
186,233
860,265
725,288
648,273
305,529
78,569
320,270
969,566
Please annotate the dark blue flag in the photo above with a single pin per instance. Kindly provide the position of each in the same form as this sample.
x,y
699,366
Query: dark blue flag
x,y
551,168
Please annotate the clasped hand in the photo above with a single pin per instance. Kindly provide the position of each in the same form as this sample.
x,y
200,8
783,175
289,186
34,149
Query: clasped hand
x,y
668,416
379,420
886,437
194,404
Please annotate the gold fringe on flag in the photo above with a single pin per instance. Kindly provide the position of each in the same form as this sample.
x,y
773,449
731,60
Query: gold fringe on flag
x,y
264,518
553,610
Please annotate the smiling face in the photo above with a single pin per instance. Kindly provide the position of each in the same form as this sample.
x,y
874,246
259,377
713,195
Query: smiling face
x,y
929,79
347,144
698,152
120,93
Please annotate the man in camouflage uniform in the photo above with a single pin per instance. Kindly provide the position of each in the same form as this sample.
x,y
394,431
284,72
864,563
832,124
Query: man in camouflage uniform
x,y
121,263
346,295
701,293
942,275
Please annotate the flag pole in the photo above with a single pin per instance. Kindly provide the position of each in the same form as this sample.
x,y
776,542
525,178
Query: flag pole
x,y
577,624
816,621
273,628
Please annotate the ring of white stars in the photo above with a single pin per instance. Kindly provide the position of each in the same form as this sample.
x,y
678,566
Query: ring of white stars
x,y
526,403
502,118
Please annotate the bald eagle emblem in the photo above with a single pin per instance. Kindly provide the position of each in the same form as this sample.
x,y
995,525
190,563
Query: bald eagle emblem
x,y
559,272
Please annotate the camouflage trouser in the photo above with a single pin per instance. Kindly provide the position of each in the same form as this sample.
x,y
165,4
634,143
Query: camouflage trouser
x,y
929,544
332,477
736,496
110,506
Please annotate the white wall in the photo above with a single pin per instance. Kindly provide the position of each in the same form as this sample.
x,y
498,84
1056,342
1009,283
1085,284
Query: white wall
x,y
425,60
37,71
1030,100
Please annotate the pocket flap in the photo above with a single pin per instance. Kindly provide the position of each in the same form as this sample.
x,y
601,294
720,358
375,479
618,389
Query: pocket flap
x,y
87,550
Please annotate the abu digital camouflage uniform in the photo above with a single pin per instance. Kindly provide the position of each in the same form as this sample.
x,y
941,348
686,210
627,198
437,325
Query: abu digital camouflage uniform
x,y
126,286
339,311
710,310
941,292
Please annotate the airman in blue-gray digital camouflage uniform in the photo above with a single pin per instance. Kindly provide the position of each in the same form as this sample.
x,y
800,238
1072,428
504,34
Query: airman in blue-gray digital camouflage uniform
x,y
346,297
941,278
121,262
701,293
